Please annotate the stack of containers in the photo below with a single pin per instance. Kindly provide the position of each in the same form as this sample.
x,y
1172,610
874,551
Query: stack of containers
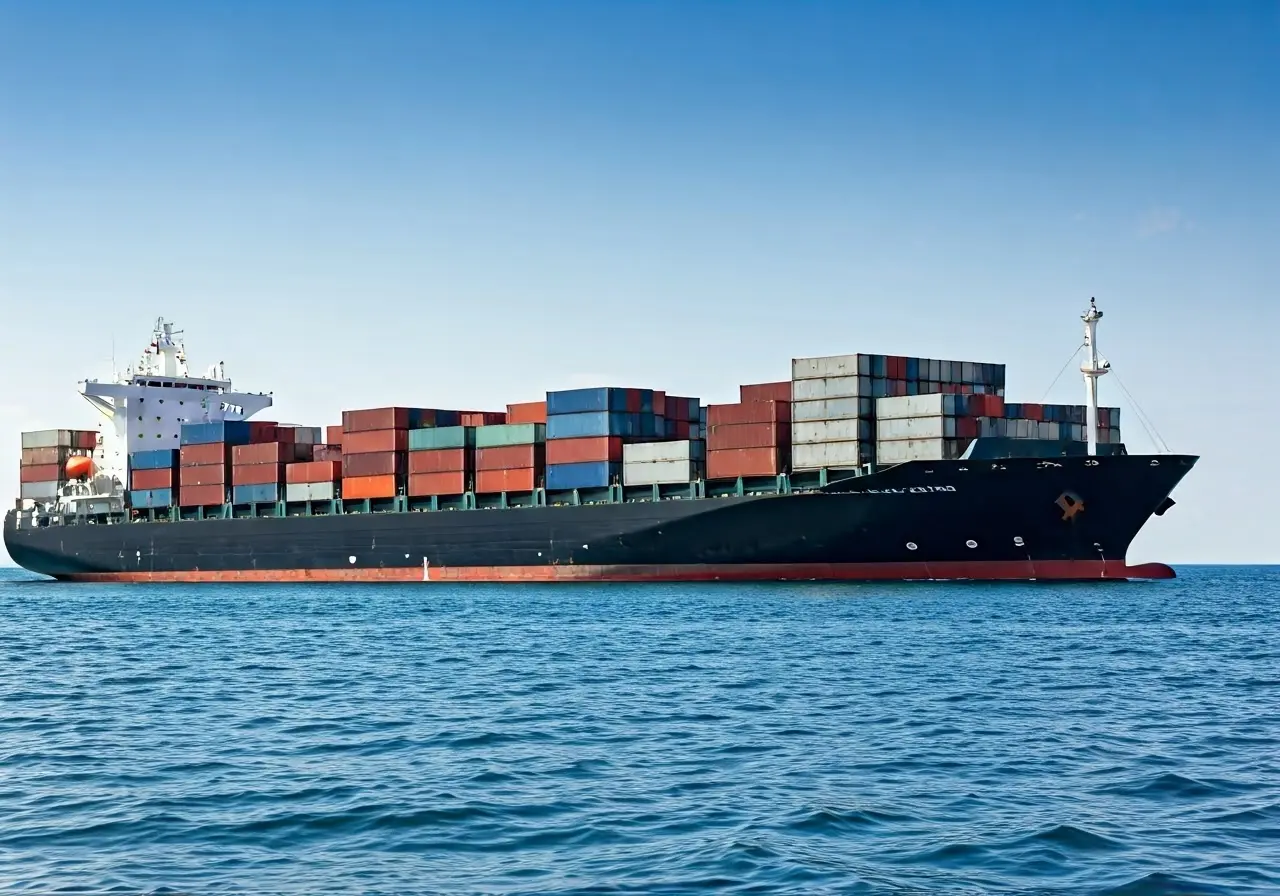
x,y
258,469
922,427
586,429
751,438
45,456
153,478
204,460
441,459
374,446
662,463
682,416
313,480
1060,422
511,457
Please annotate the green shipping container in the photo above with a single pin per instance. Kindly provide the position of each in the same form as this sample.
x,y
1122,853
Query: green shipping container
x,y
510,434
442,437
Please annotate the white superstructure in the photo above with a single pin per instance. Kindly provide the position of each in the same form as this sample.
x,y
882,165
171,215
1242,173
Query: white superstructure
x,y
146,406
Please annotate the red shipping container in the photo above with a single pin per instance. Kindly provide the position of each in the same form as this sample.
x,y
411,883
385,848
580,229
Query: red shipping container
x,y
490,482
439,460
38,457
199,455
313,471
374,419
333,435
576,451
748,435
86,440
376,440
257,474
205,474
269,453
326,452
527,412
442,483
765,392
379,463
511,457
966,428
732,463
202,495
42,473
634,400
1033,412
369,487
660,402
262,431
483,418
140,479
749,412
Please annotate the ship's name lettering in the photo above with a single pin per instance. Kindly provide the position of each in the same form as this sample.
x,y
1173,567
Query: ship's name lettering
x,y
232,408
910,490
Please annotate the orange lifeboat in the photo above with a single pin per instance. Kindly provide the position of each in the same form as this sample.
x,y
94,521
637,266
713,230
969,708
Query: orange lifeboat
x,y
79,467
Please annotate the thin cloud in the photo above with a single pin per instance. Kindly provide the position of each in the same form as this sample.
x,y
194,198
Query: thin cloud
x,y
1163,219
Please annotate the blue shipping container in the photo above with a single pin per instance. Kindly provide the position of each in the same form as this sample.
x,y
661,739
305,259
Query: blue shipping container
x,y
142,499
231,432
913,368
155,459
580,401
577,426
597,474
255,494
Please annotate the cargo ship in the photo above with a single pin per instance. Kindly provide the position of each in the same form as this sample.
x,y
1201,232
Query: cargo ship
x,y
856,467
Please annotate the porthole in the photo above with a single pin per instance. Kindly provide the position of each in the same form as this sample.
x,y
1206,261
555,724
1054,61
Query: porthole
x,y
1017,541
911,545
971,543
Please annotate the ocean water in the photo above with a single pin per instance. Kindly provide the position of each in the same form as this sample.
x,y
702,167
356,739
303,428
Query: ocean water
x,y
1120,738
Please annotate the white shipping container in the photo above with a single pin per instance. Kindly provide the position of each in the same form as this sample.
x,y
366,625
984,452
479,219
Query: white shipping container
x,y
828,454
813,432
914,428
917,449
824,367
47,438
310,491
655,452
1054,430
39,491
659,472
832,387
935,404
830,409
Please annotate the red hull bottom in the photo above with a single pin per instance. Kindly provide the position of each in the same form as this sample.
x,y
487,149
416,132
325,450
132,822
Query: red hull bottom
x,y
992,570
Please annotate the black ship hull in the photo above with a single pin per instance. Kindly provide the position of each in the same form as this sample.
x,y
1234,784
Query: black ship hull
x,y
1021,519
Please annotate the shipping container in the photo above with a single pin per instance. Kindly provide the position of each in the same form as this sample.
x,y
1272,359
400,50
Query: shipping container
x,y
595,474
661,452
818,431
228,432
747,435
511,457
527,412
829,366
765,392
145,480
42,473
310,491
38,491
205,474
257,474
904,450
148,498
846,455
574,451
362,487
266,493
749,412
896,428
510,434
679,407
442,483
483,418
313,471
374,441
734,462
579,401
202,455
326,453
49,438
436,438
660,472
299,435
158,459
202,495
41,457
441,460
375,463
374,419
832,387
935,405
333,435
270,453
832,409
492,482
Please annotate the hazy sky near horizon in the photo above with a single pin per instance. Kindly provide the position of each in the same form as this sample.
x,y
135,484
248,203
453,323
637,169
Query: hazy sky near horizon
x,y
466,204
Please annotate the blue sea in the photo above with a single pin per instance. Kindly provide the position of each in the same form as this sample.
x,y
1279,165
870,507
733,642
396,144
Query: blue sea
x,y
430,738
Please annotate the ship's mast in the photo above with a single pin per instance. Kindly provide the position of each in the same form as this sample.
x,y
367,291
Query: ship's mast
x,y
1093,367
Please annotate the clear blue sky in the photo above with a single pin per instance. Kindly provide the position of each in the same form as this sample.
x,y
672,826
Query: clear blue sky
x,y
466,204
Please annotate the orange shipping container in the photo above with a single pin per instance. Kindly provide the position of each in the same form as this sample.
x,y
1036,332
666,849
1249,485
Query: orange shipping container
x,y
269,453
483,418
439,460
313,471
765,392
749,412
576,451
491,482
257,474
39,457
378,463
732,463
202,495
326,452
205,474
197,455
747,435
42,473
333,435
527,412
140,479
374,419
446,483
511,457
373,441
369,487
